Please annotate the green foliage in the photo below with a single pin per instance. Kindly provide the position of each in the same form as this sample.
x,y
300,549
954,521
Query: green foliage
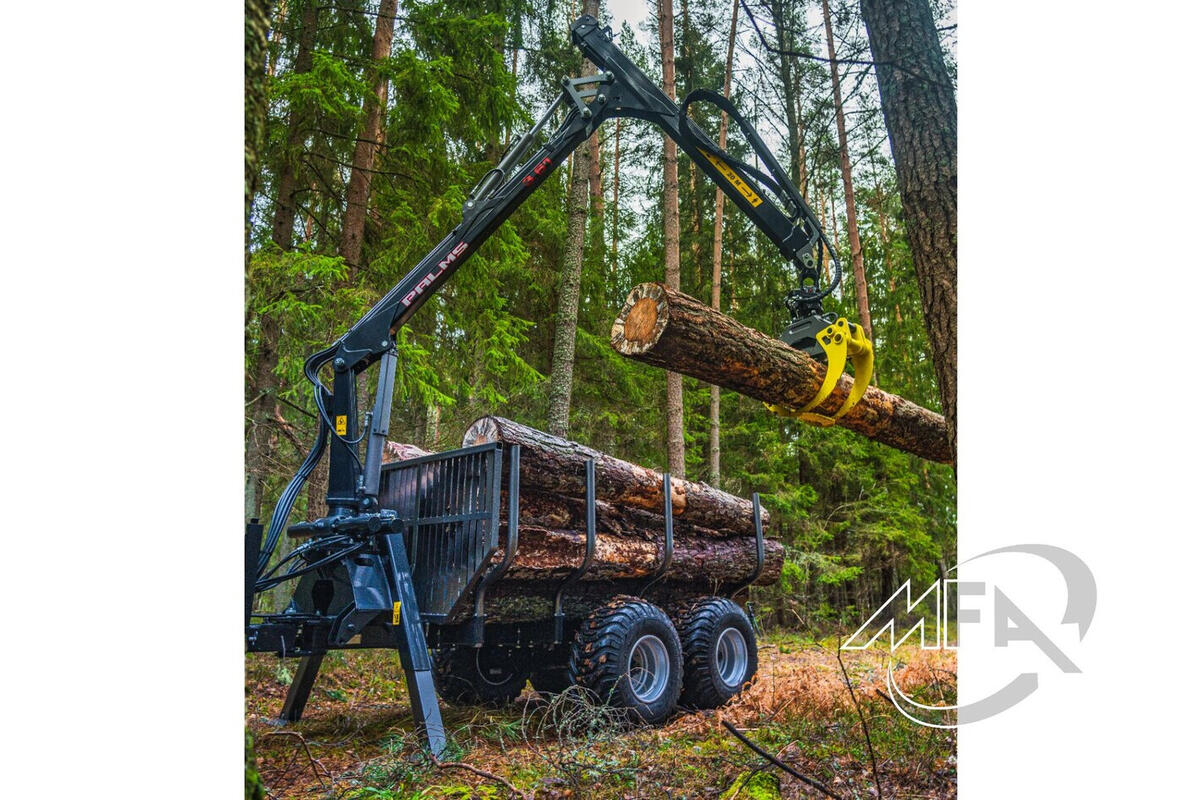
x,y
254,785
856,518
754,786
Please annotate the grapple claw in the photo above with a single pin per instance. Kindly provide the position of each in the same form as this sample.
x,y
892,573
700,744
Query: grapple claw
x,y
840,341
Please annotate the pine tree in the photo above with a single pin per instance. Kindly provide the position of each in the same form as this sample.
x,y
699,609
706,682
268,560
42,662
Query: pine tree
x,y
714,405
370,139
921,114
562,367
856,256
666,33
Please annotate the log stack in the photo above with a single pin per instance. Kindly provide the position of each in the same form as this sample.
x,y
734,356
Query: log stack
x,y
714,539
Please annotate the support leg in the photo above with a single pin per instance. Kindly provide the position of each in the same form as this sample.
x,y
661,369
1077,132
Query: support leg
x,y
297,696
414,653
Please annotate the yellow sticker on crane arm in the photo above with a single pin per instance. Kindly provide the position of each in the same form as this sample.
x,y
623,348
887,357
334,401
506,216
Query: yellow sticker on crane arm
x,y
395,613
731,176
340,424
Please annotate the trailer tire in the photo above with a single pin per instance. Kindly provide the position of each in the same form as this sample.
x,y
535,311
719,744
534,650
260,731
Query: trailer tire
x,y
720,654
490,676
627,654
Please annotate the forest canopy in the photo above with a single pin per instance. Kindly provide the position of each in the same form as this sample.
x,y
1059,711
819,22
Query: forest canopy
x,y
380,117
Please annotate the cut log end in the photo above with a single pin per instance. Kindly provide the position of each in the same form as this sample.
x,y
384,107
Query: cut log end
x,y
482,431
642,320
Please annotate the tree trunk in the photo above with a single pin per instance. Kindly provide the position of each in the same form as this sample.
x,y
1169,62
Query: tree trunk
x,y
289,175
562,358
922,121
663,327
258,19
714,391
595,183
666,33
616,200
785,44
263,382
370,141
544,553
552,464
856,255
887,251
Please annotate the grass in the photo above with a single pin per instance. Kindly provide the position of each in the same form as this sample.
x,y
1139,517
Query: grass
x,y
357,730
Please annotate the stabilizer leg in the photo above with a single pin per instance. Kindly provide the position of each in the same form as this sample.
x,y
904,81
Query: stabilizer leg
x,y
301,688
414,652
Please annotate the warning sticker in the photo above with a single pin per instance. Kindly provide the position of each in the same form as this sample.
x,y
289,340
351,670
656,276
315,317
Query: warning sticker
x,y
339,423
727,171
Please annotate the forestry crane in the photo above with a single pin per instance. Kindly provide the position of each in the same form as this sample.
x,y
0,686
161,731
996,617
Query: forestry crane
x,y
364,536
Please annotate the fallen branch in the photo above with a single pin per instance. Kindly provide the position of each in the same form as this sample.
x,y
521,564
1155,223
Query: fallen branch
x,y
813,782
481,773
312,761
863,720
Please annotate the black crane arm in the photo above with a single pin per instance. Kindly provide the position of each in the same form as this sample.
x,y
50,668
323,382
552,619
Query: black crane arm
x,y
619,89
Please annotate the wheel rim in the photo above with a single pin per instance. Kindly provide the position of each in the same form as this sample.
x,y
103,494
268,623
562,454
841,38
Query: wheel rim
x,y
649,668
495,669
732,656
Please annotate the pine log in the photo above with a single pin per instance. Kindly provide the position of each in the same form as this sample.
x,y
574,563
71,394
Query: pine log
x,y
552,464
668,329
545,510
546,553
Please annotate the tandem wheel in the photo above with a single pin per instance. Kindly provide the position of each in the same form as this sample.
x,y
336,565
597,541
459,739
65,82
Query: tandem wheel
x,y
720,653
628,655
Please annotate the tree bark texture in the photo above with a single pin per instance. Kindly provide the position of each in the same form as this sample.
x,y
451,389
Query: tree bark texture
x,y
562,358
358,192
663,327
666,33
714,391
258,19
856,254
782,14
921,115
553,464
289,175
546,553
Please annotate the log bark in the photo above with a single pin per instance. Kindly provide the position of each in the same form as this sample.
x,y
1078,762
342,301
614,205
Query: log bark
x,y
549,553
668,329
545,510
552,464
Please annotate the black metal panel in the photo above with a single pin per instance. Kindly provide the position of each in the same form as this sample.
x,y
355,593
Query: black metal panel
x,y
450,505
668,535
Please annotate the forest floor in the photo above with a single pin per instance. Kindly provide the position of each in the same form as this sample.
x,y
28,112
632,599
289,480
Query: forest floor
x,y
356,742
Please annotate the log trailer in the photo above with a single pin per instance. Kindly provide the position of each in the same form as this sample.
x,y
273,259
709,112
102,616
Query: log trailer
x,y
404,558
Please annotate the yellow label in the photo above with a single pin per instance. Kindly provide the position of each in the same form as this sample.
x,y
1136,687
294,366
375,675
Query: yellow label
x,y
340,423
731,176
395,613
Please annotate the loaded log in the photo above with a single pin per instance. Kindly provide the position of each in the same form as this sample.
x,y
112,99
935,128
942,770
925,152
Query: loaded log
x,y
554,465
668,329
544,553
545,510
